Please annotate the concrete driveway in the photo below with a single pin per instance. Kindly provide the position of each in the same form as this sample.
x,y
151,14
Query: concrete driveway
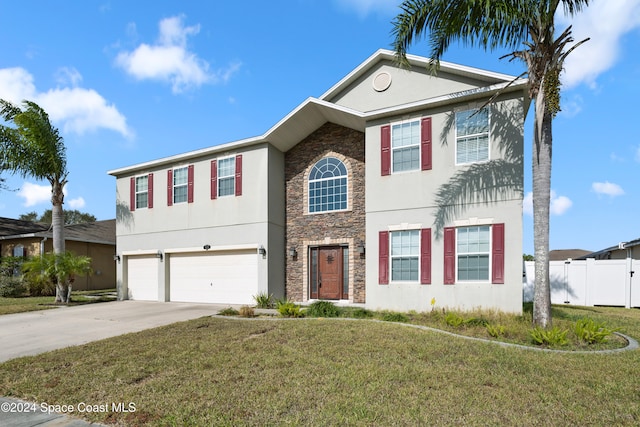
x,y
25,334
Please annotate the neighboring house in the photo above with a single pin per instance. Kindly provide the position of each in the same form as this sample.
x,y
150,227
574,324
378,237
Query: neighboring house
x,y
95,240
338,200
564,254
606,277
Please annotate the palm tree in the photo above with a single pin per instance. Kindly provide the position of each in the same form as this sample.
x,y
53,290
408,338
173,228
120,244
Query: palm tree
x,y
513,24
35,148
60,269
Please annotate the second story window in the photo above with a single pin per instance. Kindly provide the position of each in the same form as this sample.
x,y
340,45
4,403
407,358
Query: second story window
x,y
180,185
328,186
405,146
472,136
226,176
142,191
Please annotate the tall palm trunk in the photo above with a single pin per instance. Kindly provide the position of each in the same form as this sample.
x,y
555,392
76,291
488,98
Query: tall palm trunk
x,y
57,223
542,140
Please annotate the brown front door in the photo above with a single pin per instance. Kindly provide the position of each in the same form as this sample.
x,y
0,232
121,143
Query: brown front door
x,y
327,273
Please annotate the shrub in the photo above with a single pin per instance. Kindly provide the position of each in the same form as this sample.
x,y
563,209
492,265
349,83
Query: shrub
x,y
229,311
453,319
592,332
395,317
246,311
289,309
322,309
495,330
11,287
264,300
40,286
551,337
361,313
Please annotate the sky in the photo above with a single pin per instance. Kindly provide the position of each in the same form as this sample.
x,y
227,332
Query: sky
x,y
128,82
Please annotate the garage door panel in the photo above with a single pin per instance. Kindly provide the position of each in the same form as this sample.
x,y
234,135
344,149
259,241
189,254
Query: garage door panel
x,y
142,278
222,277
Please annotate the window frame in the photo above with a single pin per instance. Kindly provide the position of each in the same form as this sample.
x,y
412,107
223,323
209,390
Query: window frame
x,y
416,255
417,143
175,186
334,178
224,178
458,137
488,253
140,193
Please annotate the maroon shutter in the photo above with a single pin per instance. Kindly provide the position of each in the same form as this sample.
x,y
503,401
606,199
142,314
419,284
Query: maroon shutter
x,y
150,191
170,187
239,175
383,258
425,256
214,179
385,150
449,256
497,254
426,144
132,194
190,184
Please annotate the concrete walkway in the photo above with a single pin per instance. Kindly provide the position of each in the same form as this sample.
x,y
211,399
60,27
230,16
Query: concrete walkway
x,y
34,332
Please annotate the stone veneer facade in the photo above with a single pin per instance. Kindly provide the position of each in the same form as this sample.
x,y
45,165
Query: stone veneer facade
x,y
344,228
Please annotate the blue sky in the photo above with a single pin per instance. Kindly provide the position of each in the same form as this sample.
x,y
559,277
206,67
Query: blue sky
x,y
127,82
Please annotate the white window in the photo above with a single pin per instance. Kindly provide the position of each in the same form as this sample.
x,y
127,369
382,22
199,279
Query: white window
x,y
142,191
405,255
226,176
473,250
405,146
472,136
328,186
180,184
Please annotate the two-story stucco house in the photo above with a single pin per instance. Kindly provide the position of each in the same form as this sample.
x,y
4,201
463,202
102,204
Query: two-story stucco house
x,y
355,196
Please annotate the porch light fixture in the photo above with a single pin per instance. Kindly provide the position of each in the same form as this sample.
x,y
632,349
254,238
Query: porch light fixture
x,y
159,255
206,247
292,252
360,248
116,258
262,251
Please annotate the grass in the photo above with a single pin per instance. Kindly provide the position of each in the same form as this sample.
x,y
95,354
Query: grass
x,y
23,304
221,371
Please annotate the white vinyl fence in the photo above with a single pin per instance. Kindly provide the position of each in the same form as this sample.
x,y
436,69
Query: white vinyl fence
x,y
589,282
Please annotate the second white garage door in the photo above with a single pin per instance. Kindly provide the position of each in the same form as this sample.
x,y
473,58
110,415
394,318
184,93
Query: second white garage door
x,y
220,277
142,278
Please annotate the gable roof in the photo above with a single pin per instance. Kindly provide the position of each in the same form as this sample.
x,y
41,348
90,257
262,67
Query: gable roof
x,y
102,232
314,112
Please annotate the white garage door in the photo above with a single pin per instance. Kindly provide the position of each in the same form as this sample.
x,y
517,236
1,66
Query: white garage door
x,y
220,277
142,278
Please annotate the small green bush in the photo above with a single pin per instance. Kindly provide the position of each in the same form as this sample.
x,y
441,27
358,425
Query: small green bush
x,y
246,311
12,287
229,311
289,309
591,332
395,317
453,319
495,330
361,313
552,337
322,309
264,300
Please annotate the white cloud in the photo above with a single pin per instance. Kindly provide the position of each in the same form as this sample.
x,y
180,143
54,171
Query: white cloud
x,y
607,188
34,194
77,203
605,22
364,7
74,109
169,60
558,205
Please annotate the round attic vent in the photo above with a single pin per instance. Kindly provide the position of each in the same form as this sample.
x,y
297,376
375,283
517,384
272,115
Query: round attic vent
x,y
382,81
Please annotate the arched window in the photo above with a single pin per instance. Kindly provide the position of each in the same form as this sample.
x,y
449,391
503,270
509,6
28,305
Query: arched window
x,y
328,186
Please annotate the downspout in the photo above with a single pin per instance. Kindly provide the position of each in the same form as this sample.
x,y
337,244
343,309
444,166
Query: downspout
x,y
42,245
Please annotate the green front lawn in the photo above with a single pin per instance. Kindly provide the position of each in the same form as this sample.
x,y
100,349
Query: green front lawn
x,y
22,304
229,371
